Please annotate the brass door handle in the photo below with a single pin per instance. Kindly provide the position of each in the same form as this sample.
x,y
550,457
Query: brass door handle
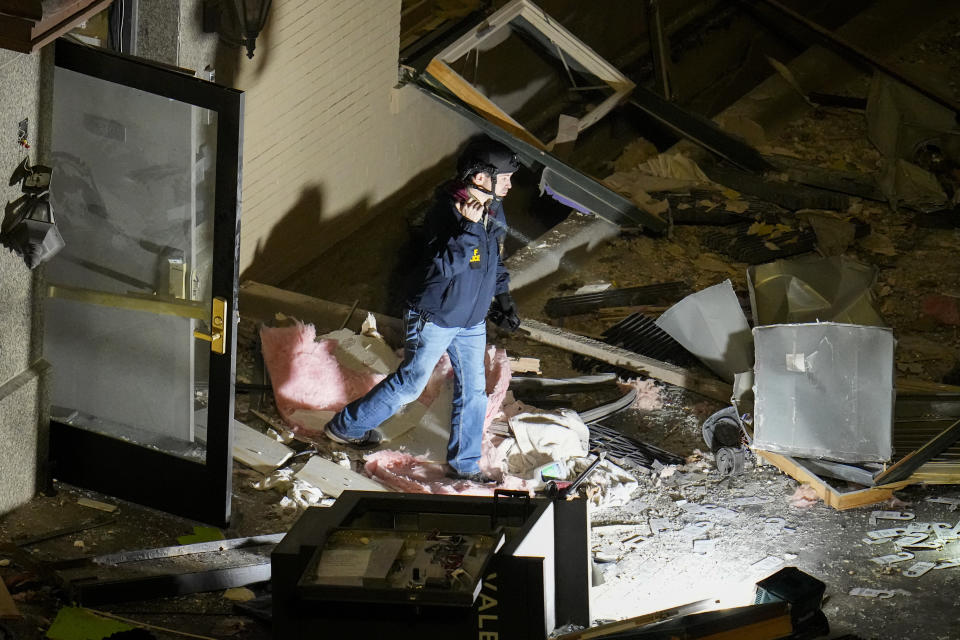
x,y
218,320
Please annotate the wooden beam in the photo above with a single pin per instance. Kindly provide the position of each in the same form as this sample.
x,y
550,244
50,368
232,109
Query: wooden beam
x,y
488,109
332,479
904,468
663,371
938,473
639,621
830,496
262,302
910,386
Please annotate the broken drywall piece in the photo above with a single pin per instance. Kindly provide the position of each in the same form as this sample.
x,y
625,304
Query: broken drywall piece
x,y
332,479
834,232
711,325
524,364
568,128
257,451
749,130
362,352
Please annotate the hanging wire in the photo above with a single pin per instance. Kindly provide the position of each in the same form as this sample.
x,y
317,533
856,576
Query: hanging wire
x,y
563,59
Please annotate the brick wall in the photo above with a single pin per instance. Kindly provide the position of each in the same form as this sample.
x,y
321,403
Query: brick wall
x,y
327,136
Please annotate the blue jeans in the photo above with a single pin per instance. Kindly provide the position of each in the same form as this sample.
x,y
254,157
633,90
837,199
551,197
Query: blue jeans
x,y
424,344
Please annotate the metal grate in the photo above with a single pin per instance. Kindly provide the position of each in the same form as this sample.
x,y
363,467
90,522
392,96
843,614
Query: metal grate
x,y
640,334
666,292
623,447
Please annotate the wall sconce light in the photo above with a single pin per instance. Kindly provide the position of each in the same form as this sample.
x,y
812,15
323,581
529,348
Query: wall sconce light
x,y
238,22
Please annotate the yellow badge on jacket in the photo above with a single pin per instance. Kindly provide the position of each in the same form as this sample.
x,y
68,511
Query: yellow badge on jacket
x,y
475,259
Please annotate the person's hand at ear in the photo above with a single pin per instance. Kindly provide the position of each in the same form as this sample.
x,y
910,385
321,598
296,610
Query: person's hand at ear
x,y
470,209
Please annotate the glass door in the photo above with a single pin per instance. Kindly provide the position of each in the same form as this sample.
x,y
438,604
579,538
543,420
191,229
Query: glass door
x,y
140,311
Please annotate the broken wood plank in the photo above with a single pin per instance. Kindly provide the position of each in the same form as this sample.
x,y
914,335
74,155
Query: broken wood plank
x,y
333,479
262,302
938,472
453,81
923,387
767,621
639,621
96,504
903,469
8,608
525,365
830,496
257,451
663,371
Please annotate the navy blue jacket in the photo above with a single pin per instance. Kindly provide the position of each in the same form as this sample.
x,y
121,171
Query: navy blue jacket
x,y
460,269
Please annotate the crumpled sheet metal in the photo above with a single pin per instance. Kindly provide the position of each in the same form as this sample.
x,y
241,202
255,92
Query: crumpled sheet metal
x,y
710,324
824,390
835,289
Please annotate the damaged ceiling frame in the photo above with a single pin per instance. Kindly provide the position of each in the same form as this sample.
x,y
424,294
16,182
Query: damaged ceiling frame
x,y
524,15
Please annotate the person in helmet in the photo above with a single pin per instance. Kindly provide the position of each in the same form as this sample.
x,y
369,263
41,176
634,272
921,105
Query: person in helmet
x,y
459,281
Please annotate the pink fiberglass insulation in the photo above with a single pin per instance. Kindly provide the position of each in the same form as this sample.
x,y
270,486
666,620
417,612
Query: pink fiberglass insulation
x,y
305,372
648,393
415,474
498,382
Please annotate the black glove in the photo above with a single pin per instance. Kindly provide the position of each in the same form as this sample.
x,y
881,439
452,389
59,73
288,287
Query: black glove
x,y
503,312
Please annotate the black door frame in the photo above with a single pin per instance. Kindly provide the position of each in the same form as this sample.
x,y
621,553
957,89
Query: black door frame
x,y
123,469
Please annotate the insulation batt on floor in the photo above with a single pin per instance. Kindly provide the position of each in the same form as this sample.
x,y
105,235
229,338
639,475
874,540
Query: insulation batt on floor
x,y
314,377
